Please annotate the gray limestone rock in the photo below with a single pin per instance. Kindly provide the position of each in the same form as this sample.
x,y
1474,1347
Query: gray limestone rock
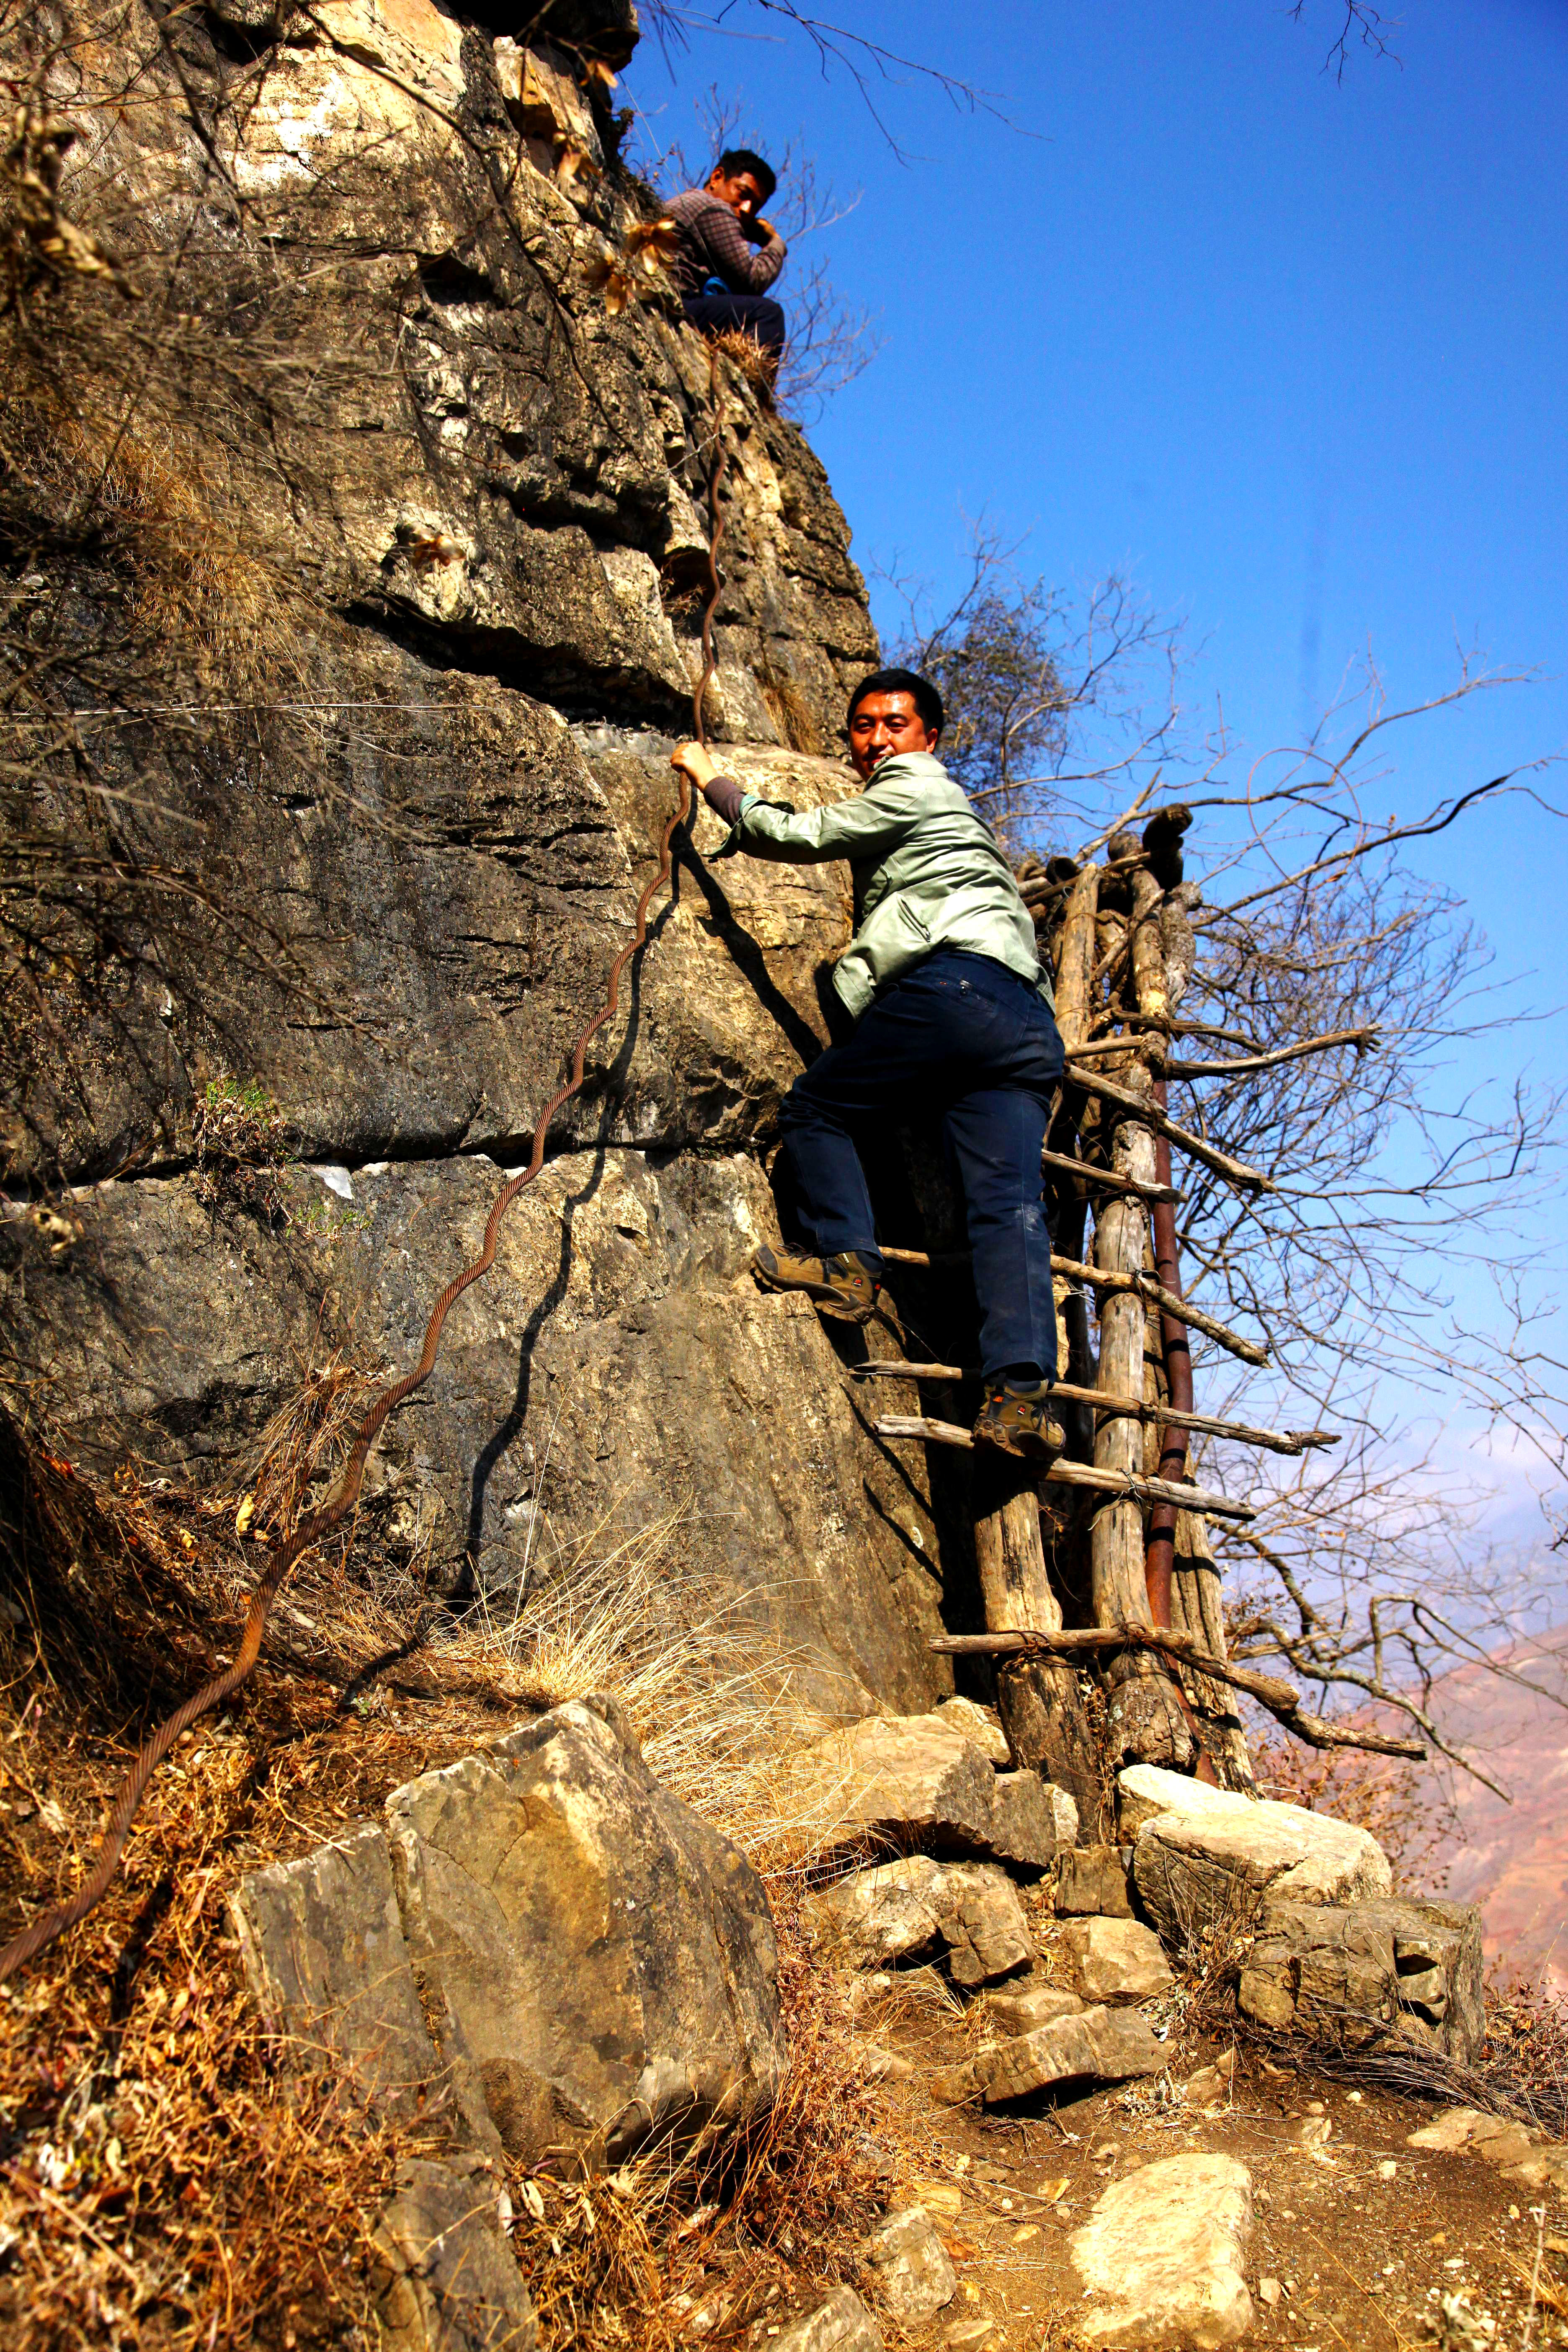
x,y
1028,1820
842,2324
1161,2258
1363,1972
917,1908
1204,1855
601,1957
1092,1881
324,1951
447,2279
913,2272
614,1366
1022,2007
920,1784
1115,1959
475,536
914,1783
1101,2045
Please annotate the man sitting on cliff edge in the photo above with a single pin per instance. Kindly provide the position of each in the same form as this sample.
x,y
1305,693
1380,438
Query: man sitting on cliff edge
x,y
722,284
952,1010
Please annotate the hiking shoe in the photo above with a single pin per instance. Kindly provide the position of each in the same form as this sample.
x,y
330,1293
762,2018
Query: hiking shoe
x,y
843,1287
1019,1421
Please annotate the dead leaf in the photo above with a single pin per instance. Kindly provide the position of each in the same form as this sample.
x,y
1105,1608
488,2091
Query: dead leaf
x,y
652,244
433,547
575,173
244,1516
606,276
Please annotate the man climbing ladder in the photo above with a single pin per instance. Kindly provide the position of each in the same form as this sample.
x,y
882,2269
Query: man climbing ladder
x,y
952,1010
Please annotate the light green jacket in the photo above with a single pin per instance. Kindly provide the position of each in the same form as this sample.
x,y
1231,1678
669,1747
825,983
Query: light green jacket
x,y
927,873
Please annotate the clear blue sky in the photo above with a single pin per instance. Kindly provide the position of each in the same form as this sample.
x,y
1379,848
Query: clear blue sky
x,y
1290,349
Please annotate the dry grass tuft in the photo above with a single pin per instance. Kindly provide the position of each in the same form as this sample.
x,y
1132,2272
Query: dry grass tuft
x,y
137,496
163,2183
760,368
241,1145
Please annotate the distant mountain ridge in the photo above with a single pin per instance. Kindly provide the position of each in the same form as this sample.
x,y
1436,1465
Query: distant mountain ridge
x,y
1513,1859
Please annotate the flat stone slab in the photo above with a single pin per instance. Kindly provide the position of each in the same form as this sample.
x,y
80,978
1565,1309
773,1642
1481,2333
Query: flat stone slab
x,y
917,1908
448,2279
1200,1855
1162,2257
920,1784
913,2272
1023,2007
1099,2045
1115,1959
1518,2149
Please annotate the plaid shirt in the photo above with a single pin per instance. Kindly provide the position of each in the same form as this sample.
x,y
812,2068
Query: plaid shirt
x,y
714,244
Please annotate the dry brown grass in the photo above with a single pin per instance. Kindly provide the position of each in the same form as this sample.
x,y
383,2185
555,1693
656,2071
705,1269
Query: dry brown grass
x,y
758,367
133,492
161,2186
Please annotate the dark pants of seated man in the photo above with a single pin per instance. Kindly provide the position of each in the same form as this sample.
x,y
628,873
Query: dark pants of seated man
x,y
757,315
962,1034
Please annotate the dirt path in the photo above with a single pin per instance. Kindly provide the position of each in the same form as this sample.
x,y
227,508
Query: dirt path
x,y
1357,2238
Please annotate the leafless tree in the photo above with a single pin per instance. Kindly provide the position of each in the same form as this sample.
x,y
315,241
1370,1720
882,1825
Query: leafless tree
x,y
1324,992
1046,691
1359,22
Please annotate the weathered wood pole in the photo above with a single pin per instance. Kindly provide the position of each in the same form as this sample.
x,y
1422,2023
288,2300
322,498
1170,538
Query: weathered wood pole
x,y
1149,1723
1040,1704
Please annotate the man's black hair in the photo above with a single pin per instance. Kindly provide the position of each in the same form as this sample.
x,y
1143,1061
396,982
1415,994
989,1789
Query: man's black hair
x,y
736,159
920,690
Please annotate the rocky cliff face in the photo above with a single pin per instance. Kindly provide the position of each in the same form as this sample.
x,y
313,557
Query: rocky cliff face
x,y
435,524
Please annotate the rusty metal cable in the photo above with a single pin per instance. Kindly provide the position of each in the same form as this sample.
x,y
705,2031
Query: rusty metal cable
x,y
309,1531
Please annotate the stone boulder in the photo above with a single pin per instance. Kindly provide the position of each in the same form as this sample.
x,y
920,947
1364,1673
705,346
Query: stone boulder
x,y
1092,1881
1032,1820
842,2324
602,1956
1115,1959
1201,1855
596,1963
918,1784
981,1726
1364,1972
321,1943
915,1909
1022,2007
1102,2045
915,2277
447,2279
1162,2257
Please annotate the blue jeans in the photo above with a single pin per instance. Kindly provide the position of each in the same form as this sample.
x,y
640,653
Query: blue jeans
x,y
962,1034
757,315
